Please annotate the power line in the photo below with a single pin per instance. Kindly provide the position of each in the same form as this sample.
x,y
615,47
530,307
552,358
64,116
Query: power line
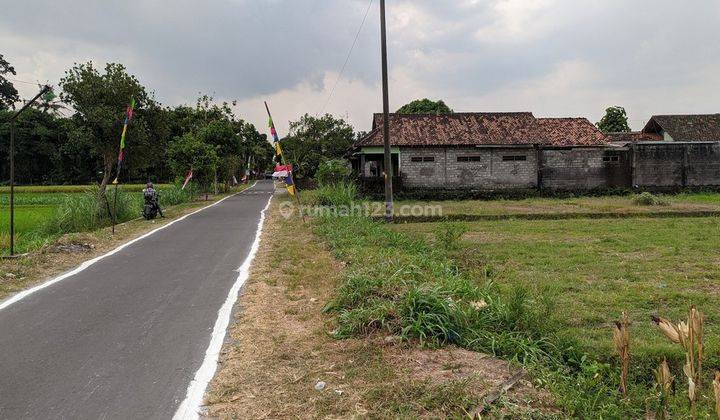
x,y
347,59
23,81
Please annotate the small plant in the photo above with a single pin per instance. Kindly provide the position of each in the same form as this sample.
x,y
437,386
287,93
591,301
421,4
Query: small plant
x,y
621,337
648,199
448,234
689,335
341,194
664,381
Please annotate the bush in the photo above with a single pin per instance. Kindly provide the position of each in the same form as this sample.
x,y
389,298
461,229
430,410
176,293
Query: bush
x,y
448,234
341,194
648,199
174,195
333,171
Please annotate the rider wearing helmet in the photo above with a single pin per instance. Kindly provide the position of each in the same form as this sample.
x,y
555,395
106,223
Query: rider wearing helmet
x,y
151,196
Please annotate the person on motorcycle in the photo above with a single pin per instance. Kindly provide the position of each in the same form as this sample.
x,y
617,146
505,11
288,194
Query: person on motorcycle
x,y
151,197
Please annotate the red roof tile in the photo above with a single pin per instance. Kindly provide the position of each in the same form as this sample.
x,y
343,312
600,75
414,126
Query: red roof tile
x,y
570,132
473,129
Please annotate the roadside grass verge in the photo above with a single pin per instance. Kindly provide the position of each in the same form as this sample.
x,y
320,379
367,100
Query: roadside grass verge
x,y
543,297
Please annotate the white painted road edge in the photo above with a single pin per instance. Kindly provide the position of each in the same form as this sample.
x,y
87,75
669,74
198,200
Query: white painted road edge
x,y
22,295
190,407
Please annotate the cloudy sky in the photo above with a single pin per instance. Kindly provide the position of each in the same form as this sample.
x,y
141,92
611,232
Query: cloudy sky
x,y
551,57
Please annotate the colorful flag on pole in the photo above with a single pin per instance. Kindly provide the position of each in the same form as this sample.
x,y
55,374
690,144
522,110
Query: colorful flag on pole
x,y
273,132
121,155
187,179
289,184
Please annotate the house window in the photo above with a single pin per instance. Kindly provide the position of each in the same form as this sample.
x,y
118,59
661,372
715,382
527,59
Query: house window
x,y
422,159
468,158
514,158
611,158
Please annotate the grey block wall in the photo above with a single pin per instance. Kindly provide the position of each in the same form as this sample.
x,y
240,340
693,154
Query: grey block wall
x,y
645,165
488,170
584,168
703,164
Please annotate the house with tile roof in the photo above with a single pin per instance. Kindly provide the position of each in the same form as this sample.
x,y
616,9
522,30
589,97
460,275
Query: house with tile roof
x,y
483,150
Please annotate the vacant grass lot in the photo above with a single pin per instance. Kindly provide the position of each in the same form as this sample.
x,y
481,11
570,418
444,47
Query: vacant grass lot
x,y
595,269
708,201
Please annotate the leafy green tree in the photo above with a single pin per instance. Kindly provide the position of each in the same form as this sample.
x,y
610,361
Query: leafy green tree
x,y
100,100
38,139
425,106
614,121
313,140
332,171
190,152
8,93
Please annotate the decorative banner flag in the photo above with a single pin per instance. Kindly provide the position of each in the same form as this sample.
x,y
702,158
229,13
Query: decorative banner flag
x,y
279,168
121,154
187,179
280,174
273,132
289,184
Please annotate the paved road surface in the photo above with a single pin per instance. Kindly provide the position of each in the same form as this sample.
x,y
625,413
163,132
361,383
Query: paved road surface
x,y
124,338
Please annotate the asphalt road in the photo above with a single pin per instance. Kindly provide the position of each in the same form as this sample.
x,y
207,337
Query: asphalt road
x,y
124,338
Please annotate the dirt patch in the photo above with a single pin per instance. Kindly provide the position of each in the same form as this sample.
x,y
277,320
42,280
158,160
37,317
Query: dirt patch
x,y
281,362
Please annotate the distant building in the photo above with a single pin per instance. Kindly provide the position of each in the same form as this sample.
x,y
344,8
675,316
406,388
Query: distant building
x,y
475,150
703,127
515,150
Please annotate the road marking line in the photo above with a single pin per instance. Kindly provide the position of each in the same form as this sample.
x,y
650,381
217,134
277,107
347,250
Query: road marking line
x,y
190,407
25,293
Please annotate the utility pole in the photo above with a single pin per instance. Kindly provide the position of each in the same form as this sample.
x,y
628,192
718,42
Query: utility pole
x,y
388,172
45,89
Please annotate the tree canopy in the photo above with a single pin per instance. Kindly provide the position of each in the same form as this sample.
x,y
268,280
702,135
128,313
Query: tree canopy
x,y
8,93
313,140
425,106
614,121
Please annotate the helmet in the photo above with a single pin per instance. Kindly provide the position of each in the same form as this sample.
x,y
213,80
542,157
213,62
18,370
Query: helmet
x,y
149,185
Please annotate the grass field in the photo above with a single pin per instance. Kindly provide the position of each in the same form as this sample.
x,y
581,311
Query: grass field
x,y
708,201
595,269
35,206
545,293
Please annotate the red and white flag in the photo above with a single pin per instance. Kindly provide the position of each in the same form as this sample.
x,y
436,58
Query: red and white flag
x,y
187,179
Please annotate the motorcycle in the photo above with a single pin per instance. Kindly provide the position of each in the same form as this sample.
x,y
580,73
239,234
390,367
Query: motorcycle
x,y
150,209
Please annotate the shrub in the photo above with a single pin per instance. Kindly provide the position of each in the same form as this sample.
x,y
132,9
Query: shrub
x,y
333,171
174,195
648,199
448,234
341,194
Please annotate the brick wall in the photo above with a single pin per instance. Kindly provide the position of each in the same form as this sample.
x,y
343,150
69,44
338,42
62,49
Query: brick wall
x,y
676,165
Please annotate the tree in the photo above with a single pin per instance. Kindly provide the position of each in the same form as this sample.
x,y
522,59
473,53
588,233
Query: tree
x,y
8,93
614,121
190,152
100,101
313,140
425,106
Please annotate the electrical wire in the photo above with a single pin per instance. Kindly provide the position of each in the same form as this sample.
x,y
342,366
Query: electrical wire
x,y
347,59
